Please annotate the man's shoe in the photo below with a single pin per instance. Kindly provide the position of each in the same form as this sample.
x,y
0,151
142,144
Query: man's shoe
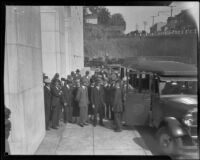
x,y
55,127
86,124
81,125
101,124
94,124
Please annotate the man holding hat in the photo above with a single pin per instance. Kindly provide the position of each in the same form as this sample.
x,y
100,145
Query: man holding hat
x,y
47,102
97,100
82,99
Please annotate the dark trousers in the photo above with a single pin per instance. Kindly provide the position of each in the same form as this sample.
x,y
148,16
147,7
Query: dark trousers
x,y
66,113
47,116
83,114
55,116
98,109
70,113
112,113
117,119
68,110
108,110
60,112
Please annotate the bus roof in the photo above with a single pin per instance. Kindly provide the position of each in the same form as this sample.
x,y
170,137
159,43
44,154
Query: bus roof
x,y
167,68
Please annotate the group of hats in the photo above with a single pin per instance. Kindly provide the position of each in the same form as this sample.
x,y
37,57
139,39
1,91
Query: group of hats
x,y
98,80
84,80
69,79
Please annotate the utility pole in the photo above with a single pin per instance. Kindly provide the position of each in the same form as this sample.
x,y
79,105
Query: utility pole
x,y
172,9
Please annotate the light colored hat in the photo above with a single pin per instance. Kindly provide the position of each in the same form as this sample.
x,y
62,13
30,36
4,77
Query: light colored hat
x,y
47,80
125,78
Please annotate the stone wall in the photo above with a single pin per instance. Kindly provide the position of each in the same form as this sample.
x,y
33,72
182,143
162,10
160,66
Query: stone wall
x,y
182,46
46,39
23,88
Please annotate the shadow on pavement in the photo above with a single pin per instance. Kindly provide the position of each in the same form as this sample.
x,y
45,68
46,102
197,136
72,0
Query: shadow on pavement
x,y
148,135
139,141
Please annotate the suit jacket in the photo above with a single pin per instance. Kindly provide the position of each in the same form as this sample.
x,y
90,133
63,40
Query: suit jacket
x,y
55,99
82,97
90,88
47,97
97,96
107,94
112,94
67,95
117,103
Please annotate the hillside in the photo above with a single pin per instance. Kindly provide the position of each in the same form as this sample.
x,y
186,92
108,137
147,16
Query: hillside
x,y
174,45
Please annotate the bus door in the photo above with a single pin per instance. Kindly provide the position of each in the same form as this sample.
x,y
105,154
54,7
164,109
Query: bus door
x,y
137,107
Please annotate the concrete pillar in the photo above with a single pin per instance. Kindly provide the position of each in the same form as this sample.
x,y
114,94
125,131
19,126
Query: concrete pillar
x,y
23,87
53,51
68,44
77,37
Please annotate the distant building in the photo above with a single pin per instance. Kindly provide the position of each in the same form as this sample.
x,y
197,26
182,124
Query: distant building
x,y
157,27
91,18
182,21
185,20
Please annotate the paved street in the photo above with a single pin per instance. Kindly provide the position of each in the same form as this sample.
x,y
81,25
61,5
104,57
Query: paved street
x,y
148,135
75,140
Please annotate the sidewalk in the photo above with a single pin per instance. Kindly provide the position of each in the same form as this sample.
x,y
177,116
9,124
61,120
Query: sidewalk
x,y
75,140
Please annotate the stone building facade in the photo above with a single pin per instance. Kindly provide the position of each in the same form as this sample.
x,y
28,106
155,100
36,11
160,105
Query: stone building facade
x,y
38,40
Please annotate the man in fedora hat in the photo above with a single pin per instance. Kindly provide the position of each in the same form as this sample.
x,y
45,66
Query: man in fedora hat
x,y
67,101
47,102
97,100
76,110
82,98
118,106
87,77
78,75
55,102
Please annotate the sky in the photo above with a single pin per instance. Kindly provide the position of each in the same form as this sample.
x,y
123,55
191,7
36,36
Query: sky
x,y
136,15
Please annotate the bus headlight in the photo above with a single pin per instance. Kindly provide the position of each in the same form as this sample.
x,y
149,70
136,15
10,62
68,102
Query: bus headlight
x,y
188,119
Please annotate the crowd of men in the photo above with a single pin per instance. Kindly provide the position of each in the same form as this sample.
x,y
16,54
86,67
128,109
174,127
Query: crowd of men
x,y
84,99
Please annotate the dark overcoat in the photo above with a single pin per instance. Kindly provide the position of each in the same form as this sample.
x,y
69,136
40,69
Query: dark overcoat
x,y
55,99
117,103
47,97
97,98
67,95
82,97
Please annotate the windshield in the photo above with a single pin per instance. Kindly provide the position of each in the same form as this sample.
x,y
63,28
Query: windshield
x,y
178,87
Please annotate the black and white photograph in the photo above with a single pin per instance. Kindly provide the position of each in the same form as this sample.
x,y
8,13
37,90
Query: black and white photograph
x,y
102,79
